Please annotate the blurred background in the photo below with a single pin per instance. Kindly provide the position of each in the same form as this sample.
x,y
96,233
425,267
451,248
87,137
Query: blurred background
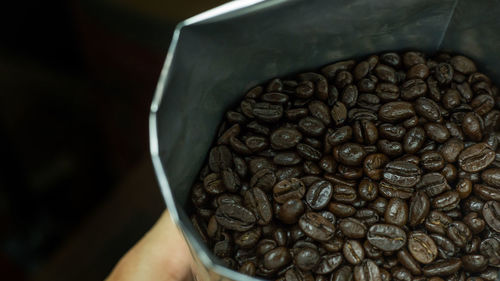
x,y
77,188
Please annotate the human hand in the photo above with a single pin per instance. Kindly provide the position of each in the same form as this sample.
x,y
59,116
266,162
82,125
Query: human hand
x,y
162,254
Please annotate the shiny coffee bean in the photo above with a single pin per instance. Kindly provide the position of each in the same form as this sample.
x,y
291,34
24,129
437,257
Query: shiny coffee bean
x,y
353,252
386,237
352,228
422,247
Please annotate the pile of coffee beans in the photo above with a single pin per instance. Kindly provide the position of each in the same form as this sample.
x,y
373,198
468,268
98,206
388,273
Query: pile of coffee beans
x,y
379,169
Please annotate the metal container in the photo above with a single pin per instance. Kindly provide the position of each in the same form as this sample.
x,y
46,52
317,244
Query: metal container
x,y
216,56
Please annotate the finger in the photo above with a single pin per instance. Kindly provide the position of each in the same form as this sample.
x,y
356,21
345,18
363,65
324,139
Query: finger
x,y
162,254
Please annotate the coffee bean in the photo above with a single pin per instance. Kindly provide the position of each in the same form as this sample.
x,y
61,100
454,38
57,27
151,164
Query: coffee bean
x,y
386,237
463,64
402,174
446,201
391,132
471,125
486,192
422,247
433,184
344,194
316,226
387,92
344,273
396,212
288,189
285,138
288,158
373,165
329,263
341,210
367,189
351,154
264,179
393,112
444,73
446,248
339,113
437,132
353,252
256,200
412,89
352,228
367,271
419,208
476,157
459,233
442,268
389,190
407,260
308,152
491,214
428,109
267,112
276,258
319,195
491,177
365,132
474,263
235,217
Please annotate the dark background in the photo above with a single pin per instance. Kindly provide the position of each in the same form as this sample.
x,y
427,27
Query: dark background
x,y
77,188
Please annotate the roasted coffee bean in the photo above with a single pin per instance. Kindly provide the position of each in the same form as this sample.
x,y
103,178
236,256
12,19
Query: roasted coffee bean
x,y
451,149
316,226
472,246
394,112
264,179
349,95
432,161
308,152
446,248
407,260
387,92
367,189
474,263
344,194
213,184
396,212
256,200
476,157
343,79
341,210
389,190
220,158
412,89
319,194
450,172
446,201
353,252
471,126
442,268
288,158
328,263
419,208
285,138
288,189
386,237
267,112
365,132
247,239
235,217
433,184
344,273
463,64
422,247
491,177
307,258
491,214
290,211
351,154
437,222
328,164
486,192
311,126
276,258
391,132
341,135
352,228
437,132
459,233
402,174
367,271
320,110
444,73
230,180
475,223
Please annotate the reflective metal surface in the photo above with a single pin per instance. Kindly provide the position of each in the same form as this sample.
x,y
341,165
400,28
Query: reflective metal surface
x,y
218,55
